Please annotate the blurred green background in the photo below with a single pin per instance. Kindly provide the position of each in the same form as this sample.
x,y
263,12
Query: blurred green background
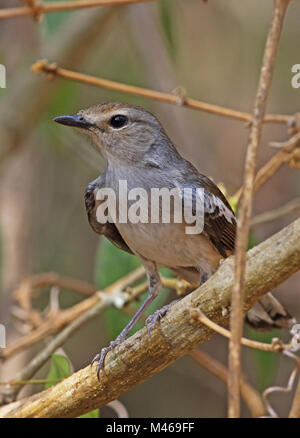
x,y
214,51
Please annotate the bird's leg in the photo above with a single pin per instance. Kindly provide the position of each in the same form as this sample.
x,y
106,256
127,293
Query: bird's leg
x,y
205,274
204,277
154,288
155,318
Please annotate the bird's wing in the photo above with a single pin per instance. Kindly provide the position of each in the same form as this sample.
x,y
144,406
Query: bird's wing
x,y
219,220
109,230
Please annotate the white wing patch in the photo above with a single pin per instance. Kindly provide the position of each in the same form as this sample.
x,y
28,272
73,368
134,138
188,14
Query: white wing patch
x,y
212,202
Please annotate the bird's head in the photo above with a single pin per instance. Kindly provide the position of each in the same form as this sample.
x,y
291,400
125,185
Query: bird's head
x,y
121,131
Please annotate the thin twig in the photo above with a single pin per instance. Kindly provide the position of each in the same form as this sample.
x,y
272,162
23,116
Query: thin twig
x,y
59,6
252,397
60,319
24,292
55,321
283,389
34,5
43,356
43,66
245,208
289,150
278,213
275,347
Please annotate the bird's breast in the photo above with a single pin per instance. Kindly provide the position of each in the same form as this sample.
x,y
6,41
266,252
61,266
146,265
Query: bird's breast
x,y
169,245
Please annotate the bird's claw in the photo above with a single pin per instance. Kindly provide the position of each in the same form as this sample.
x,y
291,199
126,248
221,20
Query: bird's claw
x,y
100,357
155,318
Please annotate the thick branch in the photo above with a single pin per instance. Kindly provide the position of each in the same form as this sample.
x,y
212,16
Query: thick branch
x,y
140,357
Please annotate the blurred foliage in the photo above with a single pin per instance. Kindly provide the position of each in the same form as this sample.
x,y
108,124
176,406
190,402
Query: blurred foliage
x,y
253,240
59,370
166,12
54,20
110,265
265,363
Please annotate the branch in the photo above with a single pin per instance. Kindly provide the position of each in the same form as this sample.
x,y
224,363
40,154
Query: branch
x,y
295,409
37,9
245,208
278,213
61,318
275,347
140,357
43,66
289,152
252,397
12,388
111,295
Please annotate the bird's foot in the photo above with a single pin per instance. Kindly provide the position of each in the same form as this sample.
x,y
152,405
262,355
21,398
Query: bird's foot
x,y
100,357
204,277
156,317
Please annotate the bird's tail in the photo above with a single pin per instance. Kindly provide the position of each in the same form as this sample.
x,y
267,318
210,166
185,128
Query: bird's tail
x,y
265,315
268,314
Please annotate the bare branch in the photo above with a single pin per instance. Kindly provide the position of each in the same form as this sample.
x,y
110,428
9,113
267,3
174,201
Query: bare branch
x,y
140,357
278,213
245,208
38,8
61,318
252,397
275,347
43,66
288,152
282,389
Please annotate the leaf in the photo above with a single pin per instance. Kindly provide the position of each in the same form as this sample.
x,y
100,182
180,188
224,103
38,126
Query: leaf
x,y
112,263
253,240
59,369
265,363
93,414
166,13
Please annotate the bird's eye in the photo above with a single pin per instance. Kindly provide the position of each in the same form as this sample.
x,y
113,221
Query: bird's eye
x,y
118,121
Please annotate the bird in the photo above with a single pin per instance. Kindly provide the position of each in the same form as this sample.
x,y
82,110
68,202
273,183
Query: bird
x,y
137,150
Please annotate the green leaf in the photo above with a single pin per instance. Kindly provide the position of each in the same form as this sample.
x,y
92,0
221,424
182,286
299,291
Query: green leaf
x,y
253,240
59,369
112,263
166,12
265,363
93,414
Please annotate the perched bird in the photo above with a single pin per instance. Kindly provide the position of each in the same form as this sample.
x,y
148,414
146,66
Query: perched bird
x,y
137,150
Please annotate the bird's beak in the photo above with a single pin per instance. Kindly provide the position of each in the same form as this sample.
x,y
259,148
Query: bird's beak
x,y
75,120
